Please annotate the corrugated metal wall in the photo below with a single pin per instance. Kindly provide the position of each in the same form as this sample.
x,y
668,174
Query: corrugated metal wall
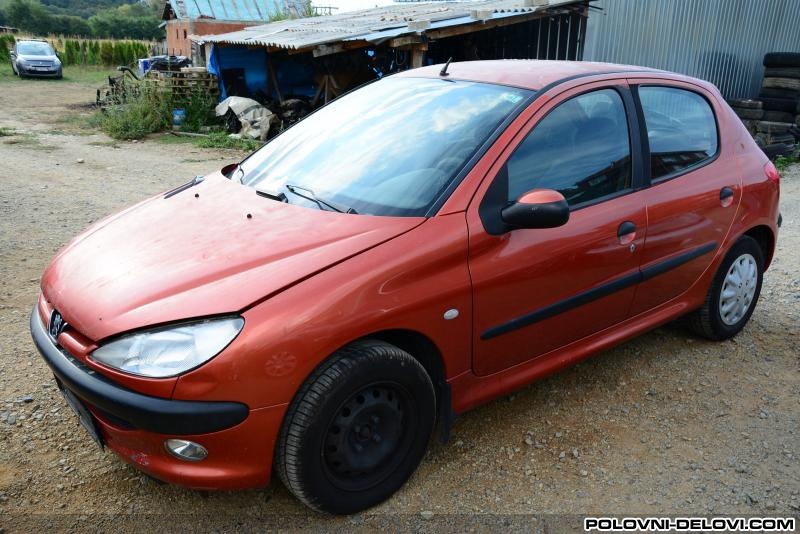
x,y
722,41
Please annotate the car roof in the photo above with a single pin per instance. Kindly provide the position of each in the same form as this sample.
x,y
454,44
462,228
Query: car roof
x,y
528,73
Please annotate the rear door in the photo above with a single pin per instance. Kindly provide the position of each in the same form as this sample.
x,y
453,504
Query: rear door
x,y
694,191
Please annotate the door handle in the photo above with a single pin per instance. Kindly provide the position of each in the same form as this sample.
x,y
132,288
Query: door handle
x,y
626,232
726,196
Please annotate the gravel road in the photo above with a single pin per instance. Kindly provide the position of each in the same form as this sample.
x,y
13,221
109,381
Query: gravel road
x,y
665,424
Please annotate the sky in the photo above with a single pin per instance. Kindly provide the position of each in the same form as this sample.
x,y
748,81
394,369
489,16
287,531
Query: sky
x,y
351,5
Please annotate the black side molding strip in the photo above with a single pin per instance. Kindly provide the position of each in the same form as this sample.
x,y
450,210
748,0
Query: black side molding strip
x,y
154,414
676,261
598,292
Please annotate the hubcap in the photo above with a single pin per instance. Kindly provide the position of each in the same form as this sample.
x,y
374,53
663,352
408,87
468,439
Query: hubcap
x,y
738,289
365,439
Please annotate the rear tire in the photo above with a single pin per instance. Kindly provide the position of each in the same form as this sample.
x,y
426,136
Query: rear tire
x,y
778,116
779,104
749,113
733,294
357,428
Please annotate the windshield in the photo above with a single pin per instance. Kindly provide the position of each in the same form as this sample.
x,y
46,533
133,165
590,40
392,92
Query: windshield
x,y
390,148
35,49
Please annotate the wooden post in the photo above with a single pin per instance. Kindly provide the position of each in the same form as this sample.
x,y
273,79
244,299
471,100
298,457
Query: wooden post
x,y
418,55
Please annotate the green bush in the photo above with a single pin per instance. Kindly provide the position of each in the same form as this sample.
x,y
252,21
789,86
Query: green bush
x,y
148,112
72,52
107,53
6,42
92,53
199,107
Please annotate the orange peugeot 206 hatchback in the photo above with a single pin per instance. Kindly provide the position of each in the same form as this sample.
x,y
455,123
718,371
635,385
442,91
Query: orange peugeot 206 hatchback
x,y
415,248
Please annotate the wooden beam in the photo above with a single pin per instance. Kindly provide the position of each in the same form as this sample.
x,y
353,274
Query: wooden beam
x,y
336,48
478,26
405,41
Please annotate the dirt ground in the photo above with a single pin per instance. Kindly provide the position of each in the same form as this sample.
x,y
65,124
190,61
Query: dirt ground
x,y
665,424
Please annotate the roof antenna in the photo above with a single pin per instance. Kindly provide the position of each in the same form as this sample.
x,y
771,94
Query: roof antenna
x,y
444,72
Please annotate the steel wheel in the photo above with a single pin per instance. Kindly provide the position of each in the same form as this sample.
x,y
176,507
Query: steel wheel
x,y
365,439
738,289
357,428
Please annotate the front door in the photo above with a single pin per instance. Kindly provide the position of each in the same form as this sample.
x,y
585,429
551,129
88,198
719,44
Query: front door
x,y
537,290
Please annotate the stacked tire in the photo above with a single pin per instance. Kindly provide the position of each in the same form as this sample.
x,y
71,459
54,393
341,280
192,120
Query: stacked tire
x,y
779,128
774,118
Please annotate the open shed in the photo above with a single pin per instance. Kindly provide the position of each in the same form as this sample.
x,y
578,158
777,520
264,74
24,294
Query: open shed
x,y
317,58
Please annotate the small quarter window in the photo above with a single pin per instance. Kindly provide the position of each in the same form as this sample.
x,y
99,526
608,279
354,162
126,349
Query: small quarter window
x,y
681,129
581,149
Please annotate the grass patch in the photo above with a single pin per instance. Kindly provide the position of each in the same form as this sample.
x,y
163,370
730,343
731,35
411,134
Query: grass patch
x,y
111,144
75,74
223,140
169,139
219,140
78,123
27,140
784,162
7,132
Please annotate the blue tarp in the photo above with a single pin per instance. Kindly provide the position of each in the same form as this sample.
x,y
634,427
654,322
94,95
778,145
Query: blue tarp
x,y
293,78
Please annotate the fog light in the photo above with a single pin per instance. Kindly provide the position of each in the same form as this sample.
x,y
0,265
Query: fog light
x,y
186,450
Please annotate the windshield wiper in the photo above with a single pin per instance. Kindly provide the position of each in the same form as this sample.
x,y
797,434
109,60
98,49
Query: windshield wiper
x,y
319,201
280,196
240,173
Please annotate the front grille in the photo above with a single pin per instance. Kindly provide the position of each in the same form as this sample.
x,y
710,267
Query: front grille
x,y
110,418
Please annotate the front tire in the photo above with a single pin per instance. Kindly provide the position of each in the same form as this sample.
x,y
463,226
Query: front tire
x,y
733,294
357,428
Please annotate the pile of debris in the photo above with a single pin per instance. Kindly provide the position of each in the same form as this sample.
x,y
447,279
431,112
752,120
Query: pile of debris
x,y
774,118
249,118
125,84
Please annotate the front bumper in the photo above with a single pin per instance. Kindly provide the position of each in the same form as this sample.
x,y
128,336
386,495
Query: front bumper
x,y
140,411
54,72
239,441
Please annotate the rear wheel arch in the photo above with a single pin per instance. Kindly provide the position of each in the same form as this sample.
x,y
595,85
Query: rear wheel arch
x,y
766,240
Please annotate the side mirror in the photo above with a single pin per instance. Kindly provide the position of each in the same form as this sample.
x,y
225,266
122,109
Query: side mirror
x,y
539,208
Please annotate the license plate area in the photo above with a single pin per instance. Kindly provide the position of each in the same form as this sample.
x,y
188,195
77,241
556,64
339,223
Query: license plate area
x,y
85,418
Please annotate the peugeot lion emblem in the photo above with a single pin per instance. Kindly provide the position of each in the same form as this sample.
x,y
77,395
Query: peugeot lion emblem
x,y
57,325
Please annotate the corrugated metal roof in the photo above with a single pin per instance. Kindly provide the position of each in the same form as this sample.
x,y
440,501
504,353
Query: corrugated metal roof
x,y
232,10
380,23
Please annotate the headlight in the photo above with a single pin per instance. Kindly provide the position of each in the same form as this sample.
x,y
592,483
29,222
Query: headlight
x,y
169,351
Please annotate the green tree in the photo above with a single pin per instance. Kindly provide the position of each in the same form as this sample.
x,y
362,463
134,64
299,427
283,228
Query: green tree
x,y
107,53
118,57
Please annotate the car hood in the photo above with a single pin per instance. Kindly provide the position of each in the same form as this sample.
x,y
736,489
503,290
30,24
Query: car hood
x,y
45,59
214,248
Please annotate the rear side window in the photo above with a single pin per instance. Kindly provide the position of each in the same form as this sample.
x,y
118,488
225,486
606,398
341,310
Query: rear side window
x,y
681,129
581,149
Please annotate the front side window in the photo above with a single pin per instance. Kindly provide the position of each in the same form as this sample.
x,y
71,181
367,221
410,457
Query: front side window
x,y
390,148
581,149
681,129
